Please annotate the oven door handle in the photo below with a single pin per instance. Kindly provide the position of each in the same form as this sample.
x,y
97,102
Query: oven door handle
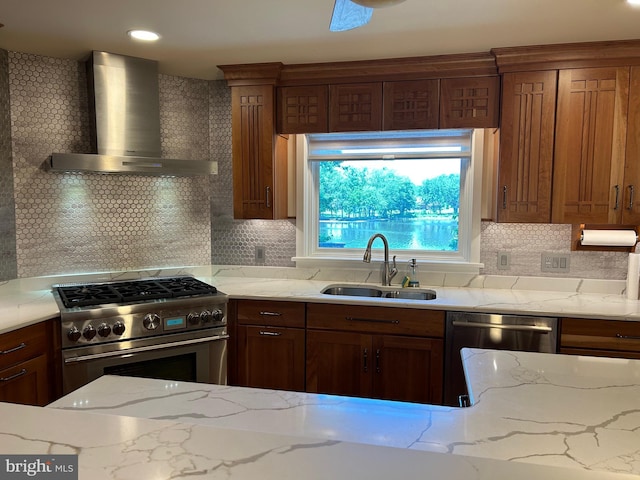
x,y
149,348
520,328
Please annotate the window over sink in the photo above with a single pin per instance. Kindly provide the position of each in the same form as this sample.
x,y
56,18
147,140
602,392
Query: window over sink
x,y
421,189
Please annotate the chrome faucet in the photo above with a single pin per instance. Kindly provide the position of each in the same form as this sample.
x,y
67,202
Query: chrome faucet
x,y
387,273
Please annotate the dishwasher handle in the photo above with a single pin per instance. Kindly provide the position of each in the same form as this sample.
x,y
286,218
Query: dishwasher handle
x,y
542,329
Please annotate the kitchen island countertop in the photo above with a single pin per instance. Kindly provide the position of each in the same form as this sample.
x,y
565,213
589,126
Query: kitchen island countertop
x,y
530,409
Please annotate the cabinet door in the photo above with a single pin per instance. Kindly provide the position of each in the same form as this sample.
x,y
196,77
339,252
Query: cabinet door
x,y
271,357
355,107
408,369
631,205
339,363
411,104
258,168
303,109
469,102
590,145
26,382
526,146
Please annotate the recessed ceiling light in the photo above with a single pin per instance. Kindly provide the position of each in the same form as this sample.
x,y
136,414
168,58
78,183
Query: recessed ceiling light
x,y
145,35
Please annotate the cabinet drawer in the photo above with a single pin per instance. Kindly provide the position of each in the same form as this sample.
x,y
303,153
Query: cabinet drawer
x,y
22,344
277,314
356,318
600,334
26,382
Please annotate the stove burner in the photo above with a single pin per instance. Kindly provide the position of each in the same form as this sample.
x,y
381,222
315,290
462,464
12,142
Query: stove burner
x,y
132,291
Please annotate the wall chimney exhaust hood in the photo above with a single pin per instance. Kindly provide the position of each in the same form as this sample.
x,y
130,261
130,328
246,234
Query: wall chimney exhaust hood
x,y
125,113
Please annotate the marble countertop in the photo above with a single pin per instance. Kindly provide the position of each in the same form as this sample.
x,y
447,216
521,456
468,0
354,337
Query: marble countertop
x,y
28,301
534,416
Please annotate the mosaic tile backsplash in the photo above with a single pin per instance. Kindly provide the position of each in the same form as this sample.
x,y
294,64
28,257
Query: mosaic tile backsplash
x,y
75,223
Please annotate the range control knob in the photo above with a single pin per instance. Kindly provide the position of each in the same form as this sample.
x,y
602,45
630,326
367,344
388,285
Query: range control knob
x,y
118,328
104,330
151,321
89,332
193,318
217,315
205,316
74,334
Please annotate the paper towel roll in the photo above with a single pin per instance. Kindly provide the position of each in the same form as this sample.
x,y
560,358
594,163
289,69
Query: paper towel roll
x,y
633,276
611,238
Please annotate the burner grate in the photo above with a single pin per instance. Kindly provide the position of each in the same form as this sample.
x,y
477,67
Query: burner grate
x,y
132,291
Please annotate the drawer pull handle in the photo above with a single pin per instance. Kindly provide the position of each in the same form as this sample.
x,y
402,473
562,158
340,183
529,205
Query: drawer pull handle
x,y
365,355
617,188
270,314
372,320
270,334
14,349
15,375
378,361
627,337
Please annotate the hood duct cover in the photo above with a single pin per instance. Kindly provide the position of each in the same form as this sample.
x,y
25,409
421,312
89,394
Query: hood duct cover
x,y
125,113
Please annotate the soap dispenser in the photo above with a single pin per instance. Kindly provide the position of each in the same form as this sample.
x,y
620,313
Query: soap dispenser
x,y
412,273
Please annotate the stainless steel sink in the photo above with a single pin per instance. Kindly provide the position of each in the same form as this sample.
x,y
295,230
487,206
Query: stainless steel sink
x,y
353,291
411,294
377,292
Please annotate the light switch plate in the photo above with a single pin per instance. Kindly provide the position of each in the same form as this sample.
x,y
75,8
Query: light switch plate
x,y
554,262
504,260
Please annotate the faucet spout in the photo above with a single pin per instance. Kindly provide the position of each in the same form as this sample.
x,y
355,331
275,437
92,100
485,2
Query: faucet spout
x,y
387,273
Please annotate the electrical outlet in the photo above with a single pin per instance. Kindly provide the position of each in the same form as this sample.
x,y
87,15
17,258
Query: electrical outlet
x,y
504,260
555,262
260,252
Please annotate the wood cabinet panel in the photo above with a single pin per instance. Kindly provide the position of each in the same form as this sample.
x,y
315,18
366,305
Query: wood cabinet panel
x,y
603,335
339,363
303,109
408,369
381,320
526,146
599,353
272,313
22,344
259,156
26,382
411,105
271,357
355,107
469,102
590,145
631,197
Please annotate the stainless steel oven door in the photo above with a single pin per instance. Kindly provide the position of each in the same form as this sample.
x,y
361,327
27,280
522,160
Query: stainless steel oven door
x,y
170,357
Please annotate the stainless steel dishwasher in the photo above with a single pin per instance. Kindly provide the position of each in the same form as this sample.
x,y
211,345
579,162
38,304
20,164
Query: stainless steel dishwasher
x,y
497,332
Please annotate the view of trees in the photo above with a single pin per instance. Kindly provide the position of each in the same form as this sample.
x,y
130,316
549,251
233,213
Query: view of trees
x,y
350,193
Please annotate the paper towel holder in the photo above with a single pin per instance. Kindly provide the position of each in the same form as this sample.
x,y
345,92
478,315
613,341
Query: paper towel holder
x,y
576,234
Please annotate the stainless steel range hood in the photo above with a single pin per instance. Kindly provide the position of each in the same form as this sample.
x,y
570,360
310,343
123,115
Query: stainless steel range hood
x,y
125,112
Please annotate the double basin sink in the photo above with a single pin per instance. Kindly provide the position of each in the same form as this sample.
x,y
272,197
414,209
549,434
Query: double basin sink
x,y
380,292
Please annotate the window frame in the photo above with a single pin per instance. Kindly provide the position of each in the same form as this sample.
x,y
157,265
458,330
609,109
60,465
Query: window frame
x,y
465,260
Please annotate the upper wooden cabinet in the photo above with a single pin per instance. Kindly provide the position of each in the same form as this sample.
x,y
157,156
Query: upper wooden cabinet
x,y
469,102
526,146
412,104
355,107
303,109
591,131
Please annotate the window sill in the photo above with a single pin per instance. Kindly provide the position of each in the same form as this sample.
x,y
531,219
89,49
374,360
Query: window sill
x,y
357,264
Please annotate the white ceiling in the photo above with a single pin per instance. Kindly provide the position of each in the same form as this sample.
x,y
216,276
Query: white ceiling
x,y
197,35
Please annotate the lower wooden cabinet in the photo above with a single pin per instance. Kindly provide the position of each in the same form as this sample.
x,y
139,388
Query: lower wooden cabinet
x,y
376,352
29,372
605,338
270,344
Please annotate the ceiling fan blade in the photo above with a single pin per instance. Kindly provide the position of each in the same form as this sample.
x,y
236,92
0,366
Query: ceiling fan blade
x,y
348,15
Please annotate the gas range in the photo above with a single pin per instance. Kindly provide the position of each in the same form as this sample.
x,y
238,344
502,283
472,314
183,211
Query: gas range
x,y
108,312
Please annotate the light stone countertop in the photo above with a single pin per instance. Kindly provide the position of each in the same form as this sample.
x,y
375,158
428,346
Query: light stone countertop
x,y
534,416
27,301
